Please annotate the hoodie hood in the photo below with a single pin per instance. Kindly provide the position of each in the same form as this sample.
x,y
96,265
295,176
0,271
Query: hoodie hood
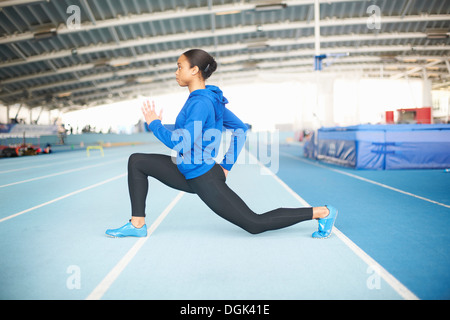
x,y
216,96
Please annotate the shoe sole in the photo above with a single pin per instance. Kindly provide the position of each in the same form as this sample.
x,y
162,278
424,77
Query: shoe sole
x,y
110,236
323,237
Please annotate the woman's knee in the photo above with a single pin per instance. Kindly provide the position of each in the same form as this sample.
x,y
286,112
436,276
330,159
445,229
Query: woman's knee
x,y
252,224
136,163
254,228
132,159
137,158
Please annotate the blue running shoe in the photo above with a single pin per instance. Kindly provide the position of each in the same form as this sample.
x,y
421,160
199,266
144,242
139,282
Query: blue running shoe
x,y
326,224
127,230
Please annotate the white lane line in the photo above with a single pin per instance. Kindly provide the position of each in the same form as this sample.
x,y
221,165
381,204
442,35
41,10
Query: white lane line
x,y
404,292
60,173
106,283
63,197
48,163
366,180
60,159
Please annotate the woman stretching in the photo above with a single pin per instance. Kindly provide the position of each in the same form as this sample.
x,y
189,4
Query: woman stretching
x,y
196,139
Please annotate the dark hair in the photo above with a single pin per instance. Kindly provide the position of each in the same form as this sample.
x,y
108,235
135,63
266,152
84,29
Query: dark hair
x,y
203,60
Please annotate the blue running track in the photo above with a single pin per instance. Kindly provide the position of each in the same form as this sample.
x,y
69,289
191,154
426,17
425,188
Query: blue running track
x,y
390,241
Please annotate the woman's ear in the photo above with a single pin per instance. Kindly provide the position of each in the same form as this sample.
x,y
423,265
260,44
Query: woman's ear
x,y
195,70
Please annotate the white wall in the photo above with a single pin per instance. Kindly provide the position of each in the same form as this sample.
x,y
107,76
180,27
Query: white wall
x,y
342,101
441,105
266,102
262,105
120,117
359,101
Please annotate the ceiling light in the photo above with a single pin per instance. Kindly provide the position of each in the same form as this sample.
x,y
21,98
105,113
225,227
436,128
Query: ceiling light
x,y
101,63
388,58
435,36
409,60
224,13
45,34
64,94
257,43
250,64
145,79
261,45
270,6
119,63
437,33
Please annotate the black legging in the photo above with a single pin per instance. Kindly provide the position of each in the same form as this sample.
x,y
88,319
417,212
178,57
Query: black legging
x,y
211,188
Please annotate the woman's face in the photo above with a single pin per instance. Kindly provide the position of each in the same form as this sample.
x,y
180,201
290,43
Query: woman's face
x,y
184,73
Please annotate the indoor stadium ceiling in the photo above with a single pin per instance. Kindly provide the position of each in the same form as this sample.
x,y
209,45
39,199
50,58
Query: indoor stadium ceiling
x,y
73,53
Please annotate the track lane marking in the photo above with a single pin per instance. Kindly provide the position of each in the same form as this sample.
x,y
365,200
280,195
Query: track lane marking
x,y
403,291
63,197
366,180
109,279
61,173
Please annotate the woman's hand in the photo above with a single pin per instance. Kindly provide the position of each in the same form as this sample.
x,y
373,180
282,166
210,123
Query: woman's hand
x,y
150,113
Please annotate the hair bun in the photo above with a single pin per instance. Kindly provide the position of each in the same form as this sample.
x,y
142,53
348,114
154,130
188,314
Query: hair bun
x,y
210,68
203,60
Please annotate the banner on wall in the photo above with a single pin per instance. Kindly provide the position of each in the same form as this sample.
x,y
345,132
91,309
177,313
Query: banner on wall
x,y
30,130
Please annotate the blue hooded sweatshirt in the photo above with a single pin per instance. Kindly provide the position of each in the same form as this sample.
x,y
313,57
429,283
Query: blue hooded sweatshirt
x,y
198,131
